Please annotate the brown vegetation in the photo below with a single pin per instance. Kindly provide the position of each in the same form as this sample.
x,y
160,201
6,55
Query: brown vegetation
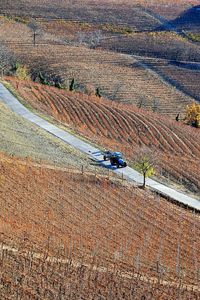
x,y
122,230
124,127
59,51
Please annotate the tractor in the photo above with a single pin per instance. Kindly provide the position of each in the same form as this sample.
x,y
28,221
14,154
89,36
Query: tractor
x,y
116,158
107,154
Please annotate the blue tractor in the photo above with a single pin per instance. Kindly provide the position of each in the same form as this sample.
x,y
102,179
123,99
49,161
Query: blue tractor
x,y
116,158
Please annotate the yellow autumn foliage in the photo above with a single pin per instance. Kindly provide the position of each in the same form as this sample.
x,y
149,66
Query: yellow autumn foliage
x,y
193,114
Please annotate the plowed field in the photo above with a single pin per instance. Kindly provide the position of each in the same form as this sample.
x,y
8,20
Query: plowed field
x,y
122,126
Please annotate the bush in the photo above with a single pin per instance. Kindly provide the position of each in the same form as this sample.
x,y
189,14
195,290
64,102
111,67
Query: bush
x,y
72,85
21,71
50,80
193,115
98,93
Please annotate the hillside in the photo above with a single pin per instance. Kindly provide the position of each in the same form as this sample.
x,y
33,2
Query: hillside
x,y
68,216
160,44
59,52
122,127
88,9
131,83
20,138
113,75
183,75
189,19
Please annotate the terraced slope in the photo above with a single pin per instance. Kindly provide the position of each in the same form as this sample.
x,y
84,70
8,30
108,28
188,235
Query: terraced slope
x,y
123,127
119,77
116,9
163,44
183,75
22,139
63,213
131,83
85,11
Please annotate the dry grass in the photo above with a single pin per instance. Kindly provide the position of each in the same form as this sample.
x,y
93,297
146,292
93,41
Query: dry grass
x,y
23,139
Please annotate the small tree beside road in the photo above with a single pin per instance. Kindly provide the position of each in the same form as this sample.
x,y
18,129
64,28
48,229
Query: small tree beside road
x,y
145,164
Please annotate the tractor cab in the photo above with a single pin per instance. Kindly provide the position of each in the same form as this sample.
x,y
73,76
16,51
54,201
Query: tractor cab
x,y
117,159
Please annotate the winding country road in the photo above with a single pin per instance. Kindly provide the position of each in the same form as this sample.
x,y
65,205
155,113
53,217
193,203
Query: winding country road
x,y
128,173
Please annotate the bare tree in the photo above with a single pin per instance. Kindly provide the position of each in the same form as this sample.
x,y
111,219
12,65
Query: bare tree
x,y
81,37
7,59
35,28
91,39
95,38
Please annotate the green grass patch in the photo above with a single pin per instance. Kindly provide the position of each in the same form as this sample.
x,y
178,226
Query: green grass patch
x,y
18,19
194,37
117,29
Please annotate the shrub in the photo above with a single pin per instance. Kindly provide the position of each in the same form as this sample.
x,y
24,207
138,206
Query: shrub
x,y
72,85
98,93
193,115
21,71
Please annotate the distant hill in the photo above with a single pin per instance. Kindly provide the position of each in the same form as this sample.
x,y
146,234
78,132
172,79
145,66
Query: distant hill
x,y
188,20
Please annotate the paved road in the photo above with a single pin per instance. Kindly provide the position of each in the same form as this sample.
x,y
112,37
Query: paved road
x,y
7,98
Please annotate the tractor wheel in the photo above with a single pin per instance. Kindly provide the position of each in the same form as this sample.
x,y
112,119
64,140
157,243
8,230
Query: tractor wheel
x,y
125,164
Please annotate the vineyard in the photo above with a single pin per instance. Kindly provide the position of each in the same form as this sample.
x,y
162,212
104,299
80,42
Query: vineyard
x,y
98,231
58,52
70,228
123,127
184,75
66,8
163,44
131,83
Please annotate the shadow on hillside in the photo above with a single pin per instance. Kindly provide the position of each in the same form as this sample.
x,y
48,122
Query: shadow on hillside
x,y
189,19
193,66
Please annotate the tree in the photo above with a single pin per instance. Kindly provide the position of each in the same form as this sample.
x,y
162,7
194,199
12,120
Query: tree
x,y
7,59
98,93
72,85
34,27
90,39
94,39
193,115
145,163
20,71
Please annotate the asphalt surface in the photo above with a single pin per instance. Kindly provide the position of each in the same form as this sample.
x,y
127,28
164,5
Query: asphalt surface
x,y
128,173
